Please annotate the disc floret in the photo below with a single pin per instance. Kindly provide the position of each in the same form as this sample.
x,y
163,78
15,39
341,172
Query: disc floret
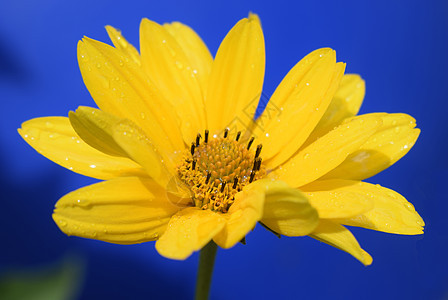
x,y
218,168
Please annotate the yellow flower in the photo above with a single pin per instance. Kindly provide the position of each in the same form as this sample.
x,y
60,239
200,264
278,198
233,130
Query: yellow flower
x,y
185,163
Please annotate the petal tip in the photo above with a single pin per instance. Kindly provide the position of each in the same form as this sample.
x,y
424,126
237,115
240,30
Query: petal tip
x,y
253,17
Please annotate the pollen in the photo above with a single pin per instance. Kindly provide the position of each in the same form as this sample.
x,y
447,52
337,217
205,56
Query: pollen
x,y
218,168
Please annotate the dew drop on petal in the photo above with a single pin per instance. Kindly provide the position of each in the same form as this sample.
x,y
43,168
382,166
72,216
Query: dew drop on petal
x,y
83,203
179,64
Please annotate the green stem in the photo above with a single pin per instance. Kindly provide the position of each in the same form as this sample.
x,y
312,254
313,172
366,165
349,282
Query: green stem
x,y
205,270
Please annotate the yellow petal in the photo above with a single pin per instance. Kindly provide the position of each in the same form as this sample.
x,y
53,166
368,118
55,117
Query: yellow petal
x,y
286,210
242,216
94,127
237,76
141,149
54,138
188,231
338,204
327,152
119,87
194,48
339,237
391,212
345,103
123,210
391,142
122,44
166,64
302,98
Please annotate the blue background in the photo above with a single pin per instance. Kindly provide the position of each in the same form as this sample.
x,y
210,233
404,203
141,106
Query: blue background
x,y
399,47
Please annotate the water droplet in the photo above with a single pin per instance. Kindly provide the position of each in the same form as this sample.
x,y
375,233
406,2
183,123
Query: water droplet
x,y
83,203
98,65
306,155
179,64
93,166
142,115
307,84
394,122
409,206
62,223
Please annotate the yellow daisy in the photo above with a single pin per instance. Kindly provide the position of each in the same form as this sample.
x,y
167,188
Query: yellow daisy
x,y
185,163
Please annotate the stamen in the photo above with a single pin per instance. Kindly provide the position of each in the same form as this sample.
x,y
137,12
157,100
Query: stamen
x,y
238,135
254,166
252,176
258,151
192,149
208,177
223,185
206,136
250,143
257,164
226,132
235,182
198,137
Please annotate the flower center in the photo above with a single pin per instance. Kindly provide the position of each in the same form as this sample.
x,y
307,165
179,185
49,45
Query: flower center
x,y
218,168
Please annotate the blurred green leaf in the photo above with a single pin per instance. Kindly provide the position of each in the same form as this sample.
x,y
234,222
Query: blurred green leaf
x,y
57,282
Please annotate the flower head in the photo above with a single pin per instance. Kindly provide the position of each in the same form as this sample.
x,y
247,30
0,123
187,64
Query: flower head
x,y
185,162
